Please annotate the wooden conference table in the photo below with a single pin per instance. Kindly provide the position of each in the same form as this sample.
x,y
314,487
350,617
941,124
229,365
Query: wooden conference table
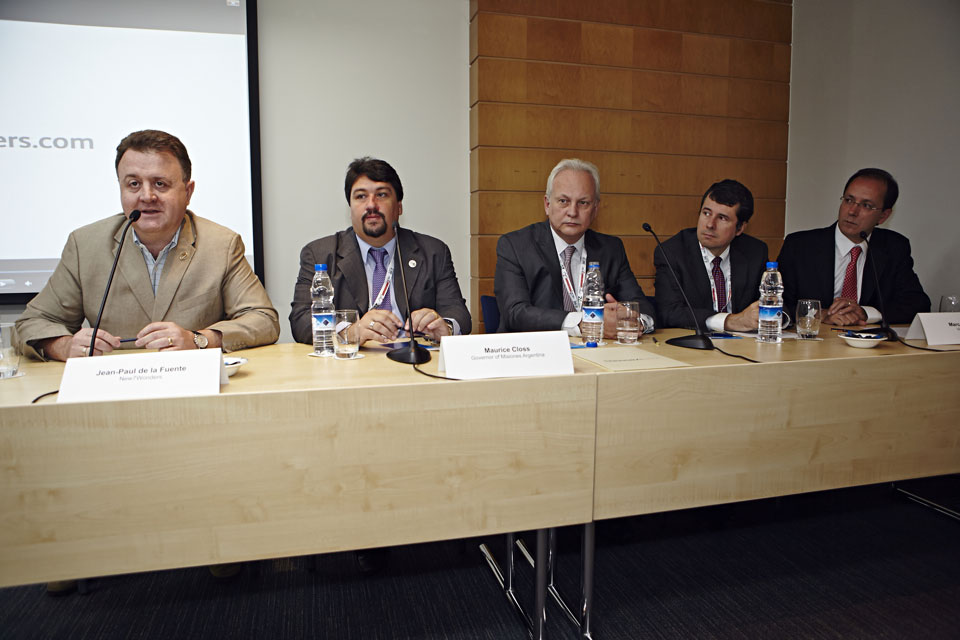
x,y
302,455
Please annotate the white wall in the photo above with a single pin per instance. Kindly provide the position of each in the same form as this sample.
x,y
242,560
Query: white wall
x,y
876,83
339,80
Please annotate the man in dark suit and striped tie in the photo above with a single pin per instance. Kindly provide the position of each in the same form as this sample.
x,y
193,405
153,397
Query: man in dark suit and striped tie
x,y
364,265
718,265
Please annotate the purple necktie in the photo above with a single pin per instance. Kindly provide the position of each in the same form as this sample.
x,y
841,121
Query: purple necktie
x,y
379,275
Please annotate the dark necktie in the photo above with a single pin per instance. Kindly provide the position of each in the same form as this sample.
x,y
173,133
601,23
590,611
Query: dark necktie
x,y
379,275
849,290
568,305
721,284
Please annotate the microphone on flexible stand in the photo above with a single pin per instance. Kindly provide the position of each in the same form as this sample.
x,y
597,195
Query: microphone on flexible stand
x,y
885,329
134,216
413,353
697,340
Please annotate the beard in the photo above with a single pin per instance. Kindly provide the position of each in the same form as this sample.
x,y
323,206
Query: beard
x,y
375,227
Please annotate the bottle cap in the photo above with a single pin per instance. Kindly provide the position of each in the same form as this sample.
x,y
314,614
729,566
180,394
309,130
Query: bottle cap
x,y
319,267
771,265
590,345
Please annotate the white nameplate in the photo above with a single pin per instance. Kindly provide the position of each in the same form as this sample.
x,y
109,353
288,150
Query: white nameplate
x,y
155,374
936,328
502,355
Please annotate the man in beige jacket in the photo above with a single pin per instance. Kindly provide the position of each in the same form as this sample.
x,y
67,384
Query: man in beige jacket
x,y
182,282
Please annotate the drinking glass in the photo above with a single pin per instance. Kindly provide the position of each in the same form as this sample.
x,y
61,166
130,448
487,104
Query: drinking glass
x,y
346,341
808,319
950,303
628,322
9,351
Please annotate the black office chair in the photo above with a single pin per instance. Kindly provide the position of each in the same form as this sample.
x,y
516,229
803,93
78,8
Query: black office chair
x,y
490,312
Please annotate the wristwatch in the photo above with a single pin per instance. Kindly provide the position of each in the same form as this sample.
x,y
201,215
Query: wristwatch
x,y
200,340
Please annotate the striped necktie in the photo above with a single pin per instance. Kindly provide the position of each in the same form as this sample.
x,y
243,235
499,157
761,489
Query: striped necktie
x,y
721,284
379,275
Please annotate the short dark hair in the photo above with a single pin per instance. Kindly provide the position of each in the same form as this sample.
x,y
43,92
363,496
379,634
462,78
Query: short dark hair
x,y
156,141
893,190
376,170
731,192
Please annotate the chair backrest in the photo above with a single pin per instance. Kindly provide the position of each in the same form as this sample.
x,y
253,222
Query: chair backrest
x,y
491,314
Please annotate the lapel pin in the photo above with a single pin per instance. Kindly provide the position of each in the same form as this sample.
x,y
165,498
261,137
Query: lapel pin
x,y
412,264
183,255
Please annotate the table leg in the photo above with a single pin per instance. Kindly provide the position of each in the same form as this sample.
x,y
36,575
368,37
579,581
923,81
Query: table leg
x,y
587,548
540,595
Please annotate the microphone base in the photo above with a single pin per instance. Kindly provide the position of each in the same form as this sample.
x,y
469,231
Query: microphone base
x,y
694,341
413,354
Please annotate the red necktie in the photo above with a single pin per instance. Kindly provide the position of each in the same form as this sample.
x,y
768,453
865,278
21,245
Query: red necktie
x,y
849,290
721,284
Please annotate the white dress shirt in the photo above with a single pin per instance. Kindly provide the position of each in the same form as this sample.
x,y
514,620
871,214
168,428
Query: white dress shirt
x,y
370,263
717,321
571,323
841,258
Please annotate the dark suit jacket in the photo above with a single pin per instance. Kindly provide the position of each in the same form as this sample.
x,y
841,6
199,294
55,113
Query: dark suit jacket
x,y
748,258
528,283
432,282
806,263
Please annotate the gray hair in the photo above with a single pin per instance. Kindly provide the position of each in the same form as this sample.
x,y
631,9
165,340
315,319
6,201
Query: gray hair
x,y
575,164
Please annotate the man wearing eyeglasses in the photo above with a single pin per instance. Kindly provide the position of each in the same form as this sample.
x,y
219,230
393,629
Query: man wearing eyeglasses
x,y
831,264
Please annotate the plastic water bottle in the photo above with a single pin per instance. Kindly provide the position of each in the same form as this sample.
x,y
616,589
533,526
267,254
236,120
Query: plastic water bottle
x,y
591,329
771,305
322,310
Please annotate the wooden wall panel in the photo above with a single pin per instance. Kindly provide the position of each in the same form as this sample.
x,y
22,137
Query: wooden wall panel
x,y
503,36
664,96
502,169
532,82
740,18
510,125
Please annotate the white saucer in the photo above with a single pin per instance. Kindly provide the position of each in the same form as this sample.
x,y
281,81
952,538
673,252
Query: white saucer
x,y
861,342
233,364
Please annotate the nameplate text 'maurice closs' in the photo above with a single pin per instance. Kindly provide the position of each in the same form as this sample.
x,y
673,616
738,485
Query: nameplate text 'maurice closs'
x,y
155,374
502,355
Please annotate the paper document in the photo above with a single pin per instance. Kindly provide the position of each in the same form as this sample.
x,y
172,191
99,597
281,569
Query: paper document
x,y
627,359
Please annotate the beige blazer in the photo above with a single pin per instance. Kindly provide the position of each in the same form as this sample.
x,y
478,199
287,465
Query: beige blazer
x,y
206,283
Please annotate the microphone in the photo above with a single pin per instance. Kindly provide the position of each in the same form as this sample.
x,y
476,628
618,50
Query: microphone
x,y
697,340
413,353
884,329
134,216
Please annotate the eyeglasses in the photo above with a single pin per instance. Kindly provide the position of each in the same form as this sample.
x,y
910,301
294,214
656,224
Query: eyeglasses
x,y
850,202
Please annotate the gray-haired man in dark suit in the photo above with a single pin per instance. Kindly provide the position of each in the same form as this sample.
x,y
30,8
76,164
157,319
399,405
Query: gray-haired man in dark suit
x,y
532,292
